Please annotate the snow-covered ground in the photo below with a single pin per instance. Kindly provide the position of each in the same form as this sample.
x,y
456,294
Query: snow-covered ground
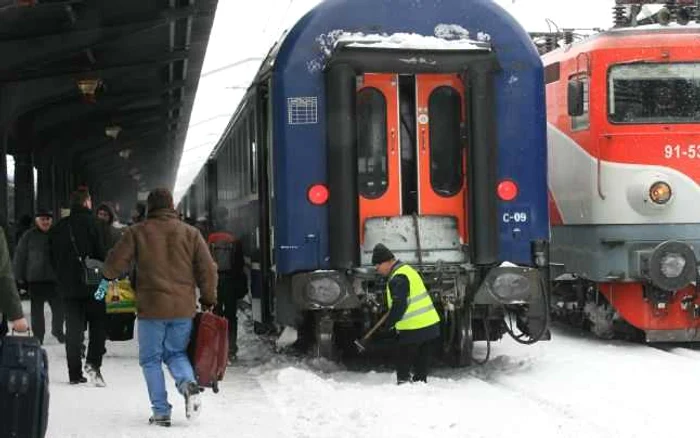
x,y
573,386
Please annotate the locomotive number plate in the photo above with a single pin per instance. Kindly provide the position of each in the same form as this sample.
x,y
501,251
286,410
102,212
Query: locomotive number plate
x,y
517,217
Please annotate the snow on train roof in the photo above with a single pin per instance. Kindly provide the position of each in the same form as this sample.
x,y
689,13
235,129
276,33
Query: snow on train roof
x,y
412,41
446,37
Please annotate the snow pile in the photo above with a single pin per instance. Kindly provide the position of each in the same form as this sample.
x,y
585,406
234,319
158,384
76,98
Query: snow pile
x,y
451,32
455,31
573,386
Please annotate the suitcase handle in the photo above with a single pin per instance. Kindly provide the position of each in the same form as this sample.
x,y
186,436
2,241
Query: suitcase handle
x,y
27,334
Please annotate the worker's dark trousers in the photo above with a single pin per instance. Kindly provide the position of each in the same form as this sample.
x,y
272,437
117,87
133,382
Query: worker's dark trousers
x,y
413,361
226,306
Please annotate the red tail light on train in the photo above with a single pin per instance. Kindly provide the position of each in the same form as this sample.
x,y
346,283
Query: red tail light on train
x,y
507,190
318,194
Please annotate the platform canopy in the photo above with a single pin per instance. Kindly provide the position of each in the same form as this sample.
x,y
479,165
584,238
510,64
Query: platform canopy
x,y
101,89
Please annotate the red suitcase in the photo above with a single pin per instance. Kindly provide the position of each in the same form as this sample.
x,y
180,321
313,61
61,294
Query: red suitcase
x,y
208,349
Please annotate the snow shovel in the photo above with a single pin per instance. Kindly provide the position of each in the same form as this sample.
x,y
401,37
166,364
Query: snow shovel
x,y
360,343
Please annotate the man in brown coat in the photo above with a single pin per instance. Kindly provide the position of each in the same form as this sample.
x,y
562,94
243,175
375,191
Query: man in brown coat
x,y
172,259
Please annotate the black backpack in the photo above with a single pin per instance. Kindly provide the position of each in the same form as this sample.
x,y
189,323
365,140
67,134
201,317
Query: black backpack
x,y
223,253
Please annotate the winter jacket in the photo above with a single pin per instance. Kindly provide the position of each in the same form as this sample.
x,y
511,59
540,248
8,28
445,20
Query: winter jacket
x,y
64,260
10,304
399,288
32,262
25,224
172,259
110,233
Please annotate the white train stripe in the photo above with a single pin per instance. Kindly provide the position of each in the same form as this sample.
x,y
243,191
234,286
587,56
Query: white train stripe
x,y
573,180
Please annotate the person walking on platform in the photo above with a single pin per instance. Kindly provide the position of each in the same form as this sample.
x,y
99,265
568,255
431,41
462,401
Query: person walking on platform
x,y
106,217
70,241
138,214
172,259
32,266
412,316
10,304
233,283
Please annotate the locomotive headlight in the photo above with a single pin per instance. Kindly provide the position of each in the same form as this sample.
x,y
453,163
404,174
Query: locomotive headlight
x,y
509,285
323,290
672,265
660,192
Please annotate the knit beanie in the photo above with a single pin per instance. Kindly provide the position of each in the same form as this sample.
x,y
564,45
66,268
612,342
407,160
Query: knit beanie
x,y
381,254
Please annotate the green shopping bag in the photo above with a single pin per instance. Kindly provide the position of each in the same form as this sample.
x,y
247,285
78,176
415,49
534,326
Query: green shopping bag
x,y
121,297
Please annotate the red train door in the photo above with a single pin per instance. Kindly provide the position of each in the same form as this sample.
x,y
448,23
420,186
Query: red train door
x,y
378,149
440,116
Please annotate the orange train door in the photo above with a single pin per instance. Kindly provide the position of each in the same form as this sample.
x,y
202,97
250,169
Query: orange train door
x,y
440,116
378,149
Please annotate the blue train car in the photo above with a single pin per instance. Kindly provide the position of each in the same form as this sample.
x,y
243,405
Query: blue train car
x,y
420,125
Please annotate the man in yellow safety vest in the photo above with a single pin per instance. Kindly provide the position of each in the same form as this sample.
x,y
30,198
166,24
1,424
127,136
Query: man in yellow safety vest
x,y
411,314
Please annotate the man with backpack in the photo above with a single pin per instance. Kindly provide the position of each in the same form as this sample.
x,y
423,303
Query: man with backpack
x,y
227,252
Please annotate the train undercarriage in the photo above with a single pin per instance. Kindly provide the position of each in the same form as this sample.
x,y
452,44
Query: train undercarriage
x,y
578,302
466,318
638,312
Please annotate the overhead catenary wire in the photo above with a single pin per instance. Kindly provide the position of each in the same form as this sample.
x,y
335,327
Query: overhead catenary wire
x,y
232,65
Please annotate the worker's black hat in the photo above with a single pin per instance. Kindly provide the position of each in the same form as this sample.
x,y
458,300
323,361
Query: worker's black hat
x,y
381,254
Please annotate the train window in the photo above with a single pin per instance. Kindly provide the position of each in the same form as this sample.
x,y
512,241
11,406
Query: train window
x,y
245,158
229,168
232,167
654,93
237,165
253,167
220,175
253,154
240,160
372,159
242,164
552,73
583,121
226,159
445,115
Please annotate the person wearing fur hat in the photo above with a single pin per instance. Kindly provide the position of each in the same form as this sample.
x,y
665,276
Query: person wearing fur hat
x,y
412,316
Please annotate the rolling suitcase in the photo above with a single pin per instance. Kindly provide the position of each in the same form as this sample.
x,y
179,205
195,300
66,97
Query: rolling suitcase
x,y
208,349
24,388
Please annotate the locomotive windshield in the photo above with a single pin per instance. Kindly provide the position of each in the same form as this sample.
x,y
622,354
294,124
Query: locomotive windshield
x,y
654,93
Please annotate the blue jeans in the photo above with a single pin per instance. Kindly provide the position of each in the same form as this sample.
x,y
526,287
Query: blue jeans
x,y
164,340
